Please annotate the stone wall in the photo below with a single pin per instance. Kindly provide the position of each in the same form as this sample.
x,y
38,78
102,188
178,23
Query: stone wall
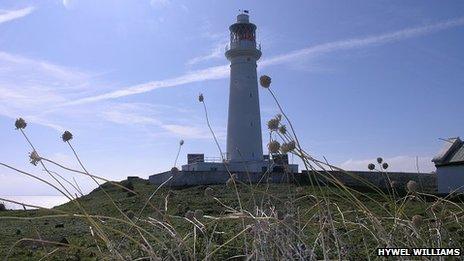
x,y
355,179
365,179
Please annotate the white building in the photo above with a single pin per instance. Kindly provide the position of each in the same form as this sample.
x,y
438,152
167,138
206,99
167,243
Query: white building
x,y
450,166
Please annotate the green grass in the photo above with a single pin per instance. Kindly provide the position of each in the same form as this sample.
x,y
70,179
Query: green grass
x,y
287,199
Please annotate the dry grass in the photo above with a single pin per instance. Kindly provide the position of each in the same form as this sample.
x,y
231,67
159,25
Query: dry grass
x,y
136,221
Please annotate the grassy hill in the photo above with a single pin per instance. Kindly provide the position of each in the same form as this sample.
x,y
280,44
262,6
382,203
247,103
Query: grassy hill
x,y
269,221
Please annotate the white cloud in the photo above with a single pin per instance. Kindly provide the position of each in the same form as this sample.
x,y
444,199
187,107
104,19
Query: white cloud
x,y
216,52
398,163
10,15
144,114
31,88
363,42
219,72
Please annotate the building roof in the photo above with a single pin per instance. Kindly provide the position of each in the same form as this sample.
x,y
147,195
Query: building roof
x,y
451,154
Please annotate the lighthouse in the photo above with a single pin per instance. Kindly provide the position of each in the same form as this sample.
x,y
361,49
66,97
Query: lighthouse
x,y
244,155
244,139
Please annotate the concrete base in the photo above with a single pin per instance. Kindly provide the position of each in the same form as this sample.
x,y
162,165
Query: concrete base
x,y
249,166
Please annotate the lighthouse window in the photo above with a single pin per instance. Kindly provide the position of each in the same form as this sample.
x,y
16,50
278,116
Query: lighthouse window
x,y
248,59
250,95
251,123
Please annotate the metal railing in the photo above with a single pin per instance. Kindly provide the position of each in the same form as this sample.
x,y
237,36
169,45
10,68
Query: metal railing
x,y
227,47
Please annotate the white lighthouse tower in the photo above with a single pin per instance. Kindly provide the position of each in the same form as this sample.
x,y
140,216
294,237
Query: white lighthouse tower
x,y
244,141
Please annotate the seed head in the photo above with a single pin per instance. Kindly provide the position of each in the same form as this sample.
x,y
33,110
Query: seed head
x,y
371,166
67,136
394,183
385,165
417,220
174,171
20,123
200,97
283,129
287,147
198,214
379,160
190,214
274,146
209,191
34,158
265,81
273,124
230,183
181,142
411,186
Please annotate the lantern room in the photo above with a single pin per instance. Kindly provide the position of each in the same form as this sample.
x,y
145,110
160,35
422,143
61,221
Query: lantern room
x,y
242,30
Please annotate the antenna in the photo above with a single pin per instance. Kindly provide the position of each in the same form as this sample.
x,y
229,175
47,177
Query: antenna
x,y
447,140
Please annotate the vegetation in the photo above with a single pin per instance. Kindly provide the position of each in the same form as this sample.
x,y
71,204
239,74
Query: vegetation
x,y
290,224
135,220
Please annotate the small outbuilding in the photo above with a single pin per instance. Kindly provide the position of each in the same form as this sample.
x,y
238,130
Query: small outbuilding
x,y
450,166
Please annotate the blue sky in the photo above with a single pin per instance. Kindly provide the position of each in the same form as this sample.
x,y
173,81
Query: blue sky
x,y
359,79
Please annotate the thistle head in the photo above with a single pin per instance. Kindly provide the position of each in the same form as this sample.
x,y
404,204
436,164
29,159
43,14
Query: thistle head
x,y
385,165
174,171
231,181
209,191
34,158
411,186
379,160
181,142
394,183
371,166
274,146
287,147
283,129
417,220
201,98
265,81
67,136
190,214
273,124
20,123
